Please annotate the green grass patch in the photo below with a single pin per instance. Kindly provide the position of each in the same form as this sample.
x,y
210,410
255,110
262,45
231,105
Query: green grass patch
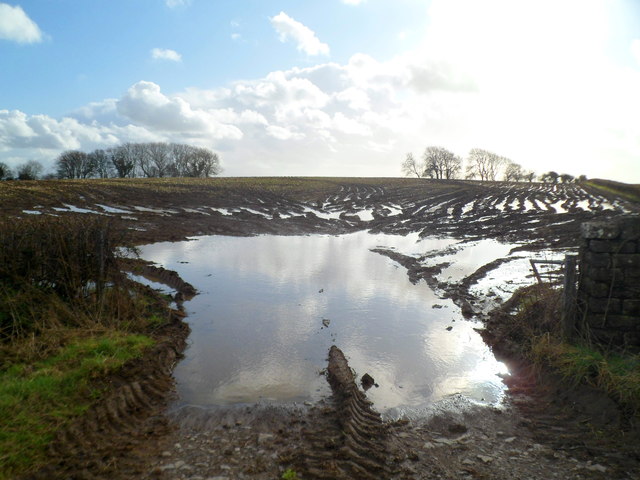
x,y
528,325
627,191
615,373
37,399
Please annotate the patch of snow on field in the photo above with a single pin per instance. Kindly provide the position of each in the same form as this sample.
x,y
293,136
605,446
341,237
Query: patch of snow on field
x,y
501,282
323,214
540,204
467,208
584,205
155,210
515,204
256,212
618,206
223,211
437,207
557,206
32,212
395,210
72,208
194,210
608,205
501,205
129,217
365,215
109,209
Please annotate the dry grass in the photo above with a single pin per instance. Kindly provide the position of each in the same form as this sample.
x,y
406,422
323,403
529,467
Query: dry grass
x,y
531,322
68,318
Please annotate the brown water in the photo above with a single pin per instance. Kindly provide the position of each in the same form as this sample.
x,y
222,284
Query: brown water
x,y
269,308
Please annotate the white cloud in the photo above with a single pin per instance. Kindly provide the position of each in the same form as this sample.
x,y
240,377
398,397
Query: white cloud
x,y
16,26
545,103
305,38
21,131
282,133
166,54
146,105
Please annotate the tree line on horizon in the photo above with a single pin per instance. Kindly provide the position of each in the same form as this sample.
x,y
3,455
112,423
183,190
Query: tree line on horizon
x,y
441,164
129,160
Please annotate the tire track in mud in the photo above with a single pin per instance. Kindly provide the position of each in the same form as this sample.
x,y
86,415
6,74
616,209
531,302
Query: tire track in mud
x,y
353,445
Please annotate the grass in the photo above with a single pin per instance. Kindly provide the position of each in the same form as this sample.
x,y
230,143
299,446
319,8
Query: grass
x,y
533,325
627,191
290,474
37,399
616,374
69,319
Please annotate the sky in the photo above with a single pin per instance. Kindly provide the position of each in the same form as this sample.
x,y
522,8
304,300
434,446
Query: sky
x,y
326,87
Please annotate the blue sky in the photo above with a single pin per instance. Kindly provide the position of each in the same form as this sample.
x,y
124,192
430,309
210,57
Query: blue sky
x,y
333,87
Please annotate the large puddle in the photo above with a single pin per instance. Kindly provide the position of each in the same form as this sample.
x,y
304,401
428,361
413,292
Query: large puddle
x,y
269,308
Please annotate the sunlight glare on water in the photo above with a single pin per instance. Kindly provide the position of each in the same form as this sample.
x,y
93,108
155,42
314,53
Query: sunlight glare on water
x,y
269,308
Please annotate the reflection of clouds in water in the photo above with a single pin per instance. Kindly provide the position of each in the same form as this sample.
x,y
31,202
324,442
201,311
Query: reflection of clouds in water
x,y
344,259
470,257
257,324
462,347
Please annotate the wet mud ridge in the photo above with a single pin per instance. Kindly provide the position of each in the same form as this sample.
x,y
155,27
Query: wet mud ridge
x,y
170,278
353,446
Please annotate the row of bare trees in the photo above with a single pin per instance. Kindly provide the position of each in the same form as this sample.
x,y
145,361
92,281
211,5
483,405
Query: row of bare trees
x,y
440,163
30,170
155,159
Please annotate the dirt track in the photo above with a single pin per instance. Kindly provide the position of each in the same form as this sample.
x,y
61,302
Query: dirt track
x,y
531,437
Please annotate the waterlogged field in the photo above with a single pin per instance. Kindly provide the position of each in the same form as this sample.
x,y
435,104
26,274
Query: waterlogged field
x,y
261,326
269,308
399,273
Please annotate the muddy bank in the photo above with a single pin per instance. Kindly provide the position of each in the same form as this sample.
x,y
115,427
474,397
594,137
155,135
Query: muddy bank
x,y
114,438
342,437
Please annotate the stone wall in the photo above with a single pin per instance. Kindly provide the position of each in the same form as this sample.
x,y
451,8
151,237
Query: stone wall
x,y
609,286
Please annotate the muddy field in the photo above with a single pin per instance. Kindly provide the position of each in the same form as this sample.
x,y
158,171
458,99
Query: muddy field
x,y
538,432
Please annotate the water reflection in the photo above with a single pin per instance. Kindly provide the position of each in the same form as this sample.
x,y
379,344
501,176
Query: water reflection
x,y
270,307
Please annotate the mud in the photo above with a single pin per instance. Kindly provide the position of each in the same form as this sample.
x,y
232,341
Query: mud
x,y
543,430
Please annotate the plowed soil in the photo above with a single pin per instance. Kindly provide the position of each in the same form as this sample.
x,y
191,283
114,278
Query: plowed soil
x,y
540,432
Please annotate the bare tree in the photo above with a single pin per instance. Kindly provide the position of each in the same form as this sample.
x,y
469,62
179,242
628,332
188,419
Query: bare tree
x,y
30,170
102,162
581,178
440,163
123,159
410,167
180,155
513,172
549,177
75,164
159,158
529,175
483,164
5,172
566,178
202,162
